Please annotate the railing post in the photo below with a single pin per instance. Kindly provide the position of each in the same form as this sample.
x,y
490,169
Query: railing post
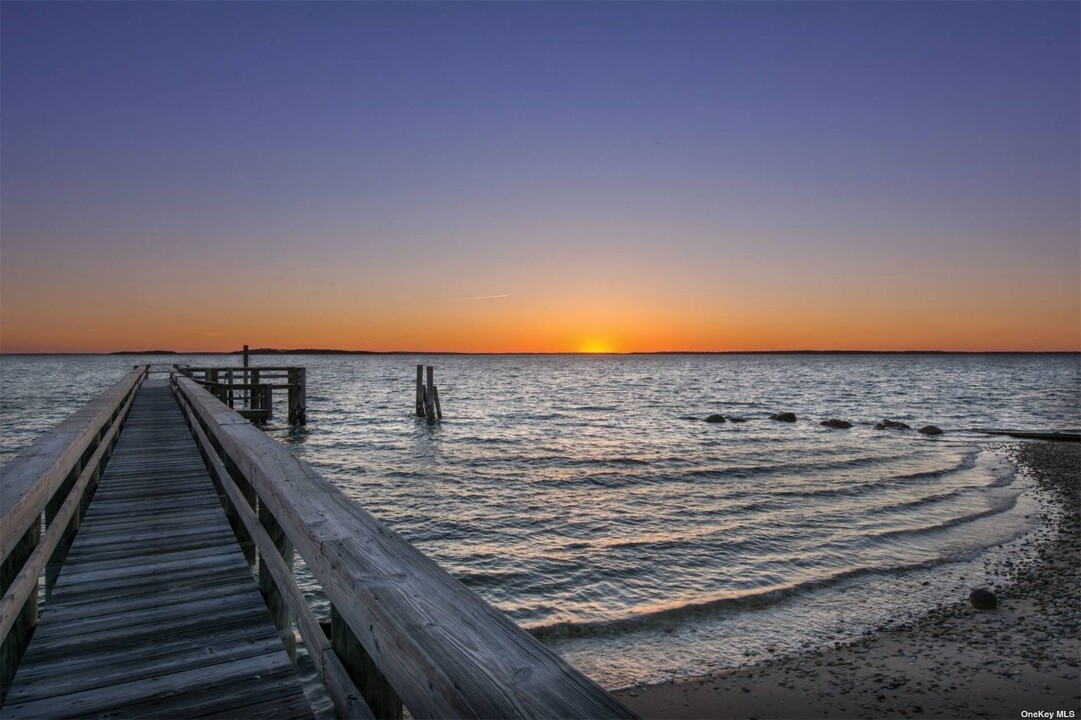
x,y
243,537
52,507
14,645
271,593
364,673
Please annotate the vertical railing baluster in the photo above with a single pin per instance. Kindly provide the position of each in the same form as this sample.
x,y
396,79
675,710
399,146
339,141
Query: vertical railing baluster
x,y
14,645
363,671
279,611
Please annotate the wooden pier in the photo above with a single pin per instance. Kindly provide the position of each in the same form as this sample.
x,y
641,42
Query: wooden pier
x,y
162,527
250,390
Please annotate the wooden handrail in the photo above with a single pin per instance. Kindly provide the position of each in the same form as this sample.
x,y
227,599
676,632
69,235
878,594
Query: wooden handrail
x,y
346,697
55,476
33,476
443,649
280,369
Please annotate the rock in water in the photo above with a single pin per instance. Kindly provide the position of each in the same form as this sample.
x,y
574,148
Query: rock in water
x,y
715,418
892,425
784,417
835,423
733,418
983,599
931,430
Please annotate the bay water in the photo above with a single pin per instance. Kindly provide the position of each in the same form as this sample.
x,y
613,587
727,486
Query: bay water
x,y
586,497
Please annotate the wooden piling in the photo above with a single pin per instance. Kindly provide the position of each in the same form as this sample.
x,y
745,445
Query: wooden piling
x,y
438,410
298,391
293,398
429,398
246,379
420,390
302,402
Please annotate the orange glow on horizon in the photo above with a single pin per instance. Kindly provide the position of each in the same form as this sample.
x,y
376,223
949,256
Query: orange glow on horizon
x,y
595,346
648,303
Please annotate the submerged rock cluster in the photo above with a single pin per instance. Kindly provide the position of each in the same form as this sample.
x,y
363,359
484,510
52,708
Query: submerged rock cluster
x,y
833,423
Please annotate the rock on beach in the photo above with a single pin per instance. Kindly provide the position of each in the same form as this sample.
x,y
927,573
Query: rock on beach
x,y
983,599
715,419
930,430
784,416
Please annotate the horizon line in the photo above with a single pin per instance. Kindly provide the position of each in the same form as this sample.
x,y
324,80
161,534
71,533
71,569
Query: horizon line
x,y
335,351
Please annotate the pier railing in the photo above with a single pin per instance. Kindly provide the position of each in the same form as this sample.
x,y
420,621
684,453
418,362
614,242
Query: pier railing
x,y
44,494
402,630
250,390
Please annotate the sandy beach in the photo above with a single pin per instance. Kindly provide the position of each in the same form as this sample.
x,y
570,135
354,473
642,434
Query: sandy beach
x,y
955,662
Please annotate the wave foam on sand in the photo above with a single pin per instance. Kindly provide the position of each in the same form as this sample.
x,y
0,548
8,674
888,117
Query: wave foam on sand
x,y
953,662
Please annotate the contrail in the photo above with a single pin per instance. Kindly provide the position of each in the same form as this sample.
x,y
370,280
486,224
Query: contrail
x,y
478,297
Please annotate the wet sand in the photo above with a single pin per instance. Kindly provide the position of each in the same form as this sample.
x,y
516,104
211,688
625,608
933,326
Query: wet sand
x,y
955,662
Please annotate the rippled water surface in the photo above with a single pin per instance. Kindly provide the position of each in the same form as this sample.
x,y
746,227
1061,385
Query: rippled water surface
x,y
585,496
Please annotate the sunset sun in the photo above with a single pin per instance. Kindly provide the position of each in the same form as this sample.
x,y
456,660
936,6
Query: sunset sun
x,y
595,345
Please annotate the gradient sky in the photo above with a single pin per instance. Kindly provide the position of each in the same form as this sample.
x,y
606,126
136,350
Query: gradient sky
x,y
540,177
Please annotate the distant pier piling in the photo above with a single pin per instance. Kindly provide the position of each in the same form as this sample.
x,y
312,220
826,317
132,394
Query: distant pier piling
x,y
428,395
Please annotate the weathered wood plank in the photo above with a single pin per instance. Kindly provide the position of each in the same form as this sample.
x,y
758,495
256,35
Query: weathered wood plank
x,y
227,697
104,699
215,638
102,675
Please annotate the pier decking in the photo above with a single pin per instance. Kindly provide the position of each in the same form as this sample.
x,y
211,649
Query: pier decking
x,y
146,513
125,631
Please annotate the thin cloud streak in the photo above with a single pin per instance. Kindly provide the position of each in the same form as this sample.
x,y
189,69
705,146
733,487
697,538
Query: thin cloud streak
x,y
478,297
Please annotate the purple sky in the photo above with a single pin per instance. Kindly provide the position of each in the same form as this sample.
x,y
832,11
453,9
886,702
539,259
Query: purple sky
x,y
634,175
